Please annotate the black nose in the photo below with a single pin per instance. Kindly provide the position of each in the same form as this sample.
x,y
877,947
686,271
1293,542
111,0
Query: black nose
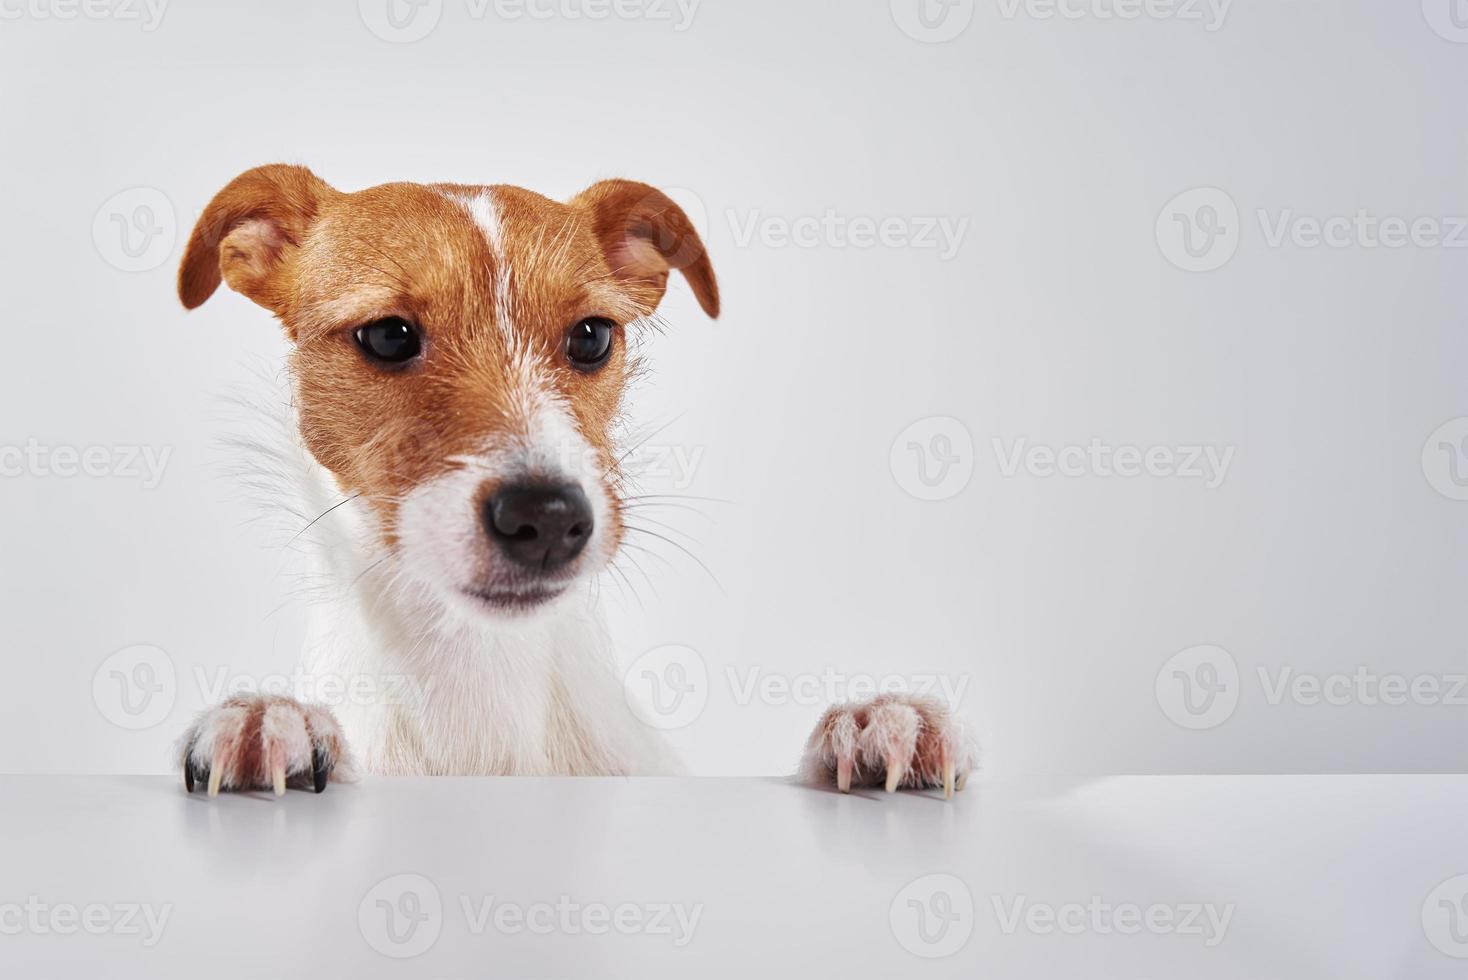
x,y
540,527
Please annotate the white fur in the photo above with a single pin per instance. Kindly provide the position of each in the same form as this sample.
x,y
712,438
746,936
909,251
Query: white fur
x,y
485,212
527,695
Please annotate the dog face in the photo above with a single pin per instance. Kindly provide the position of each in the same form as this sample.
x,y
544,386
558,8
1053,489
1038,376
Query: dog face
x,y
460,356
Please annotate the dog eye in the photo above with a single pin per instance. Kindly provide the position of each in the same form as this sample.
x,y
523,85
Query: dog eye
x,y
589,343
391,341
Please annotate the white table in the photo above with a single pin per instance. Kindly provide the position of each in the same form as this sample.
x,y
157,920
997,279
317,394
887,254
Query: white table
x,y
1315,876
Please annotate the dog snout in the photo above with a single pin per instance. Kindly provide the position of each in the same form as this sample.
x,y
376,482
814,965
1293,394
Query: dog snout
x,y
539,526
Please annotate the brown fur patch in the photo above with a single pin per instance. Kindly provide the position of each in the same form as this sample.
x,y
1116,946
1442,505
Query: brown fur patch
x,y
327,262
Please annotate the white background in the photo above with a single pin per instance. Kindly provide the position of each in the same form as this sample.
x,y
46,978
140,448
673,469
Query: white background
x,y
1062,318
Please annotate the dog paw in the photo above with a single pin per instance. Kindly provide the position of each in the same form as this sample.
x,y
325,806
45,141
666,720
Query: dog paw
x,y
894,740
264,741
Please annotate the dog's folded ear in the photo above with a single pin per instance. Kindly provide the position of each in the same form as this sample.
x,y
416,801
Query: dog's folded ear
x,y
643,234
248,233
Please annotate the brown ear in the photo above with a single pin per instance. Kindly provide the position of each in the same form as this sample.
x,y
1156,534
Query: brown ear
x,y
643,234
247,233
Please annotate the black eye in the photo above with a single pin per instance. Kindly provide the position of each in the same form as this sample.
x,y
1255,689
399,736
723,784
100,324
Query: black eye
x,y
391,341
589,343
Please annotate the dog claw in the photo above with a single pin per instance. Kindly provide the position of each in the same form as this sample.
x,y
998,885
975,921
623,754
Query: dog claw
x,y
216,773
277,776
319,770
843,775
959,782
892,741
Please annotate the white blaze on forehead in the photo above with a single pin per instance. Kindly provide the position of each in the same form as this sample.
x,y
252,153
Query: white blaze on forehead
x,y
532,391
485,211
443,538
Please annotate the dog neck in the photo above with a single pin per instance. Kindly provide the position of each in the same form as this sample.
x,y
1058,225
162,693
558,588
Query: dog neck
x,y
419,687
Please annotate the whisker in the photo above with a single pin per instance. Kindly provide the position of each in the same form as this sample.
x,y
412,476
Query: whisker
x,y
663,524
364,571
385,254
612,568
691,509
642,442
635,564
321,515
681,547
676,496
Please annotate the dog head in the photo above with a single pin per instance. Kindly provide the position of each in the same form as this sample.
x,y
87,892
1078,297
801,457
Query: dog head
x,y
460,356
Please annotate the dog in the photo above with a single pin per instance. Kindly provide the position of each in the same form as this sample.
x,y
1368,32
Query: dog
x,y
459,357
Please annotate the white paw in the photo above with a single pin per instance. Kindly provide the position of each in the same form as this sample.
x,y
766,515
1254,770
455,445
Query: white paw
x,y
895,741
264,741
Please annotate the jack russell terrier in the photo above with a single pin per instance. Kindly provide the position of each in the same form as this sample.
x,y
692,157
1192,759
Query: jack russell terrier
x,y
459,359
